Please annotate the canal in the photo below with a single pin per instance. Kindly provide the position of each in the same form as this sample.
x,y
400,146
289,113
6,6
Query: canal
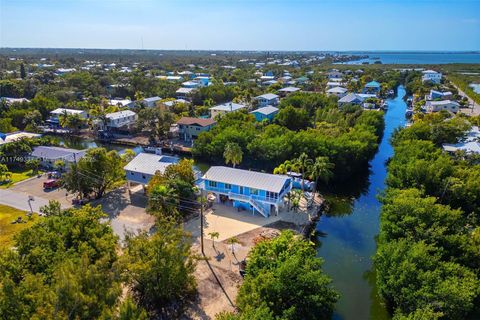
x,y
347,235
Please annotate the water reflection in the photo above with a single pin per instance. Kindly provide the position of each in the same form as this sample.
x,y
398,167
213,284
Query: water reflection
x,y
347,232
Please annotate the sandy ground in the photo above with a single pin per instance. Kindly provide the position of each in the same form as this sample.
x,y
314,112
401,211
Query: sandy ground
x,y
218,277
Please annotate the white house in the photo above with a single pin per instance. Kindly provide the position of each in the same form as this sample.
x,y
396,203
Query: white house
x,y
121,120
57,113
288,90
122,103
267,99
431,75
143,167
225,108
150,102
339,92
15,136
435,106
184,93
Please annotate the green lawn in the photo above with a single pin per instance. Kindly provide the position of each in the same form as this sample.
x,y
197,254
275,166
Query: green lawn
x,y
17,176
7,229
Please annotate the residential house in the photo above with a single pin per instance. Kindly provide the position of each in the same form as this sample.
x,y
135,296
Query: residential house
x,y
48,155
470,143
339,92
185,93
268,112
432,76
372,87
144,166
224,108
448,105
122,103
288,90
268,99
15,136
9,101
351,98
439,95
122,121
150,102
55,115
189,128
334,74
250,190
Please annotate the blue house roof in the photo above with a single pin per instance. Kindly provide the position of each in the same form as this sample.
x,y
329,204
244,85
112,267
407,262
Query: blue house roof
x,y
372,84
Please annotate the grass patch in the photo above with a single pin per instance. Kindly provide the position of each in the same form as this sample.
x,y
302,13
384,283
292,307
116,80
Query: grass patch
x,y
17,176
7,229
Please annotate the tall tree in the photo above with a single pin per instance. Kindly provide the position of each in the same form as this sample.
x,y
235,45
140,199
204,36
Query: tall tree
x,y
233,154
160,269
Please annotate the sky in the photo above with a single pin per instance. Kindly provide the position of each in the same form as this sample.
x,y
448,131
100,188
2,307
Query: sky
x,y
336,25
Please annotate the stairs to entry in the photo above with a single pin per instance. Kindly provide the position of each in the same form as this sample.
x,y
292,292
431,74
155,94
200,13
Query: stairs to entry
x,y
254,203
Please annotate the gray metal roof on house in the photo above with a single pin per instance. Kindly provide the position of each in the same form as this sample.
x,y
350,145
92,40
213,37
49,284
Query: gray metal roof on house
x,y
337,90
148,163
54,153
229,106
266,110
350,98
289,89
120,114
267,96
152,99
250,179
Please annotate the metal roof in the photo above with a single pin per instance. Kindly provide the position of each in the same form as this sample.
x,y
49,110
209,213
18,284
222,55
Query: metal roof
x,y
229,106
267,96
120,114
266,110
149,163
54,153
251,179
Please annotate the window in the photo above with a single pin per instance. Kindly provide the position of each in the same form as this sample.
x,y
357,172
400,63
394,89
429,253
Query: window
x,y
228,186
212,184
254,191
132,173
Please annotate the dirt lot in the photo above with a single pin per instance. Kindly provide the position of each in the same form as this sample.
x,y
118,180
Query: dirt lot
x,y
218,277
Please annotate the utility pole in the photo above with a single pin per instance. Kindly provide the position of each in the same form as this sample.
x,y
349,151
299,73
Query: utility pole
x,y
201,220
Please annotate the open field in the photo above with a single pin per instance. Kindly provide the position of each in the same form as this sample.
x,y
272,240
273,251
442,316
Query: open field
x,y
7,229
17,176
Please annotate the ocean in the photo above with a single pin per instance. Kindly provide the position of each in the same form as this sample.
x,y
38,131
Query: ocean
x,y
415,57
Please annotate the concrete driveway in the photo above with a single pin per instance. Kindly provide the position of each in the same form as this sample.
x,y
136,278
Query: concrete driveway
x,y
126,211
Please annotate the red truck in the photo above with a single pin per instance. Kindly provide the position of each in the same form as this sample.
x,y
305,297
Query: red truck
x,y
51,183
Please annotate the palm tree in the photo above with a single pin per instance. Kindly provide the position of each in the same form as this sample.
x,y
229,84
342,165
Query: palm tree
x,y
163,199
233,154
232,241
303,162
322,169
214,235
285,167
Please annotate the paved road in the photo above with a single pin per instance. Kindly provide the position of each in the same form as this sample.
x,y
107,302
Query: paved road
x,y
20,201
473,111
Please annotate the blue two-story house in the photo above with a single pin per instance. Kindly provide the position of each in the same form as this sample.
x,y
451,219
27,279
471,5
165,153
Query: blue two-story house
x,y
250,190
268,112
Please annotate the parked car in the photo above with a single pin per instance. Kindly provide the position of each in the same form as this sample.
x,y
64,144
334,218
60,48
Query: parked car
x,y
51,184
54,175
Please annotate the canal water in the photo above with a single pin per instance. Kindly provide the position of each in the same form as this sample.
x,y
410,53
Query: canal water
x,y
347,234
